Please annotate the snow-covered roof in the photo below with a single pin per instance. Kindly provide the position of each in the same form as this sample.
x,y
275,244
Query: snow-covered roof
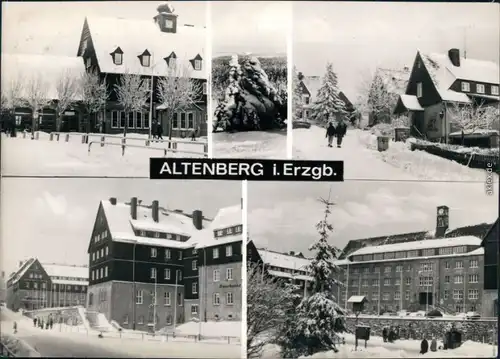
x,y
313,84
22,269
425,244
356,299
443,73
134,36
66,271
411,102
395,80
225,218
285,261
45,70
121,225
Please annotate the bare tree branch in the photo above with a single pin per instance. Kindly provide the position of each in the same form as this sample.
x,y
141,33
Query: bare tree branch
x,y
177,92
67,91
12,94
132,93
36,98
93,94
473,117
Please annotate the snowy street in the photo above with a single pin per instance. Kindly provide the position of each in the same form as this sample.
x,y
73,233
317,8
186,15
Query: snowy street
x,y
254,145
23,156
364,162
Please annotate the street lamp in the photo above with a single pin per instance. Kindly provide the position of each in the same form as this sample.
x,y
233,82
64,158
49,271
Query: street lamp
x,y
134,301
151,92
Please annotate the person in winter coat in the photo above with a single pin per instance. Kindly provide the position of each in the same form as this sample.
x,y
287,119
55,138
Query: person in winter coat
x,y
424,346
15,327
34,322
384,334
340,132
51,323
330,134
159,131
433,345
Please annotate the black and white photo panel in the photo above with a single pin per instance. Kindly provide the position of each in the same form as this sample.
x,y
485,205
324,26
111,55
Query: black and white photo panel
x,y
128,268
373,269
97,89
249,79
398,90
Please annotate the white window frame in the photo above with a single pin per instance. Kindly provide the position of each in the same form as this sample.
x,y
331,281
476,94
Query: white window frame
x,y
457,266
419,90
229,273
93,276
180,255
145,63
122,113
473,263
106,251
166,273
167,300
473,294
198,65
204,88
154,252
480,88
172,62
117,119
153,273
465,86
118,58
229,250
168,254
473,278
194,312
139,297
215,253
194,288
458,279
102,253
229,298
93,256
495,90
194,265
179,122
180,301
102,272
216,299
216,275
105,271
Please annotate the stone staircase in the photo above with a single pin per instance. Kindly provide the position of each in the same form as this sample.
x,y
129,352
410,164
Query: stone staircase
x,y
99,322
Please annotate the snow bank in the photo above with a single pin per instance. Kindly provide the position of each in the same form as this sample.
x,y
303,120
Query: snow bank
x,y
255,144
211,329
18,347
83,316
461,149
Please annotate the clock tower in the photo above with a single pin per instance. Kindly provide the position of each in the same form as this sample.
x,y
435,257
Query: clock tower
x,y
442,221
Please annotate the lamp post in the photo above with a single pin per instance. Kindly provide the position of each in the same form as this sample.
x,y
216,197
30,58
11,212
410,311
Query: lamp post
x,y
175,299
134,301
151,94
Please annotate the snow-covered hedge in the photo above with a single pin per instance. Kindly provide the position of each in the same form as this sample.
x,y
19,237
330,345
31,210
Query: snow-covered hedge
x,y
459,149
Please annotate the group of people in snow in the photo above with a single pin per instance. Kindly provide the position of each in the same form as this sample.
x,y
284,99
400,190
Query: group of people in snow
x,y
157,132
43,324
390,334
336,129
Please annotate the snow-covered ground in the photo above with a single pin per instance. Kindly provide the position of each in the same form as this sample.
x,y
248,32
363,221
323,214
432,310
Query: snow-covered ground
x,y
376,348
211,329
249,145
23,156
363,161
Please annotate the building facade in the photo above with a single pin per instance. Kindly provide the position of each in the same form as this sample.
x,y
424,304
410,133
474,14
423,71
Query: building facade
x,y
36,285
147,265
438,84
491,275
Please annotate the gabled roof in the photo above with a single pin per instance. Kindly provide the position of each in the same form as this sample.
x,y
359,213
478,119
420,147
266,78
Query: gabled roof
x,y
312,84
70,274
225,218
47,69
121,225
443,74
135,36
490,230
282,260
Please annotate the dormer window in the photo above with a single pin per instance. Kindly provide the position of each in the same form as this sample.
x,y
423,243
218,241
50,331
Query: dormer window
x,y
117,56
145,58
169,24
480,88
465,86
197,62
171,60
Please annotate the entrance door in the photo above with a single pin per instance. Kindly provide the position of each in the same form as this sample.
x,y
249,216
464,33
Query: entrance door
x,y
417,129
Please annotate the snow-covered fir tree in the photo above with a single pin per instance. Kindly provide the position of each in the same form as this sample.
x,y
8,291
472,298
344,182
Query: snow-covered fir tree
x,y
297,96
328,103
318,320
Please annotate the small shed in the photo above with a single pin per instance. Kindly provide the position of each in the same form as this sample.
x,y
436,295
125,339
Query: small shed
x,y
358,303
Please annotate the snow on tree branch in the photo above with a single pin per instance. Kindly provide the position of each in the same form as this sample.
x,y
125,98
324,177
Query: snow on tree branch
x,y
296,96
93,92
470,117
36,98
328,102
381,102
67,92
268,303
12,94
132,93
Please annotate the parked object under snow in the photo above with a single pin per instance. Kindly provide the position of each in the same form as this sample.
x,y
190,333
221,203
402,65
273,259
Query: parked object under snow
x,y
251,102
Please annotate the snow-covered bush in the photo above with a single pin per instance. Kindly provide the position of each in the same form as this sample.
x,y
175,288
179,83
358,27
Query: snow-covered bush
x,y
315,325
402,121
383,129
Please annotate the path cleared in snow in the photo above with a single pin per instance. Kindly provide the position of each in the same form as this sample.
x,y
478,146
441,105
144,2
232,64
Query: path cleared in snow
x,y
42,157
249,145
363,161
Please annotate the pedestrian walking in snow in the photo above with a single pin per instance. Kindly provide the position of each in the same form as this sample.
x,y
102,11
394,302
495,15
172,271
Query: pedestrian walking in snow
x,y
51,323
15,327
341,130
159,131
384,334
330,134
34,322
153,129
424,346
433,345
193,135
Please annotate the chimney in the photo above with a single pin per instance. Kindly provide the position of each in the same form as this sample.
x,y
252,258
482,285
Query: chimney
x,y
198,219
292,253
442,221
155,211
300,76
166,19
454,55
133,207
112,200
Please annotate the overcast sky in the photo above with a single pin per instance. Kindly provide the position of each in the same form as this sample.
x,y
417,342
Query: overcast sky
x,y
282,216
52,219
357,37
55,27
250,26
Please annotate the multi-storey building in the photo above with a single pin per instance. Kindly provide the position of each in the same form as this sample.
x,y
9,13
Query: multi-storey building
x,y
491,275
36,285
146,263
3,288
